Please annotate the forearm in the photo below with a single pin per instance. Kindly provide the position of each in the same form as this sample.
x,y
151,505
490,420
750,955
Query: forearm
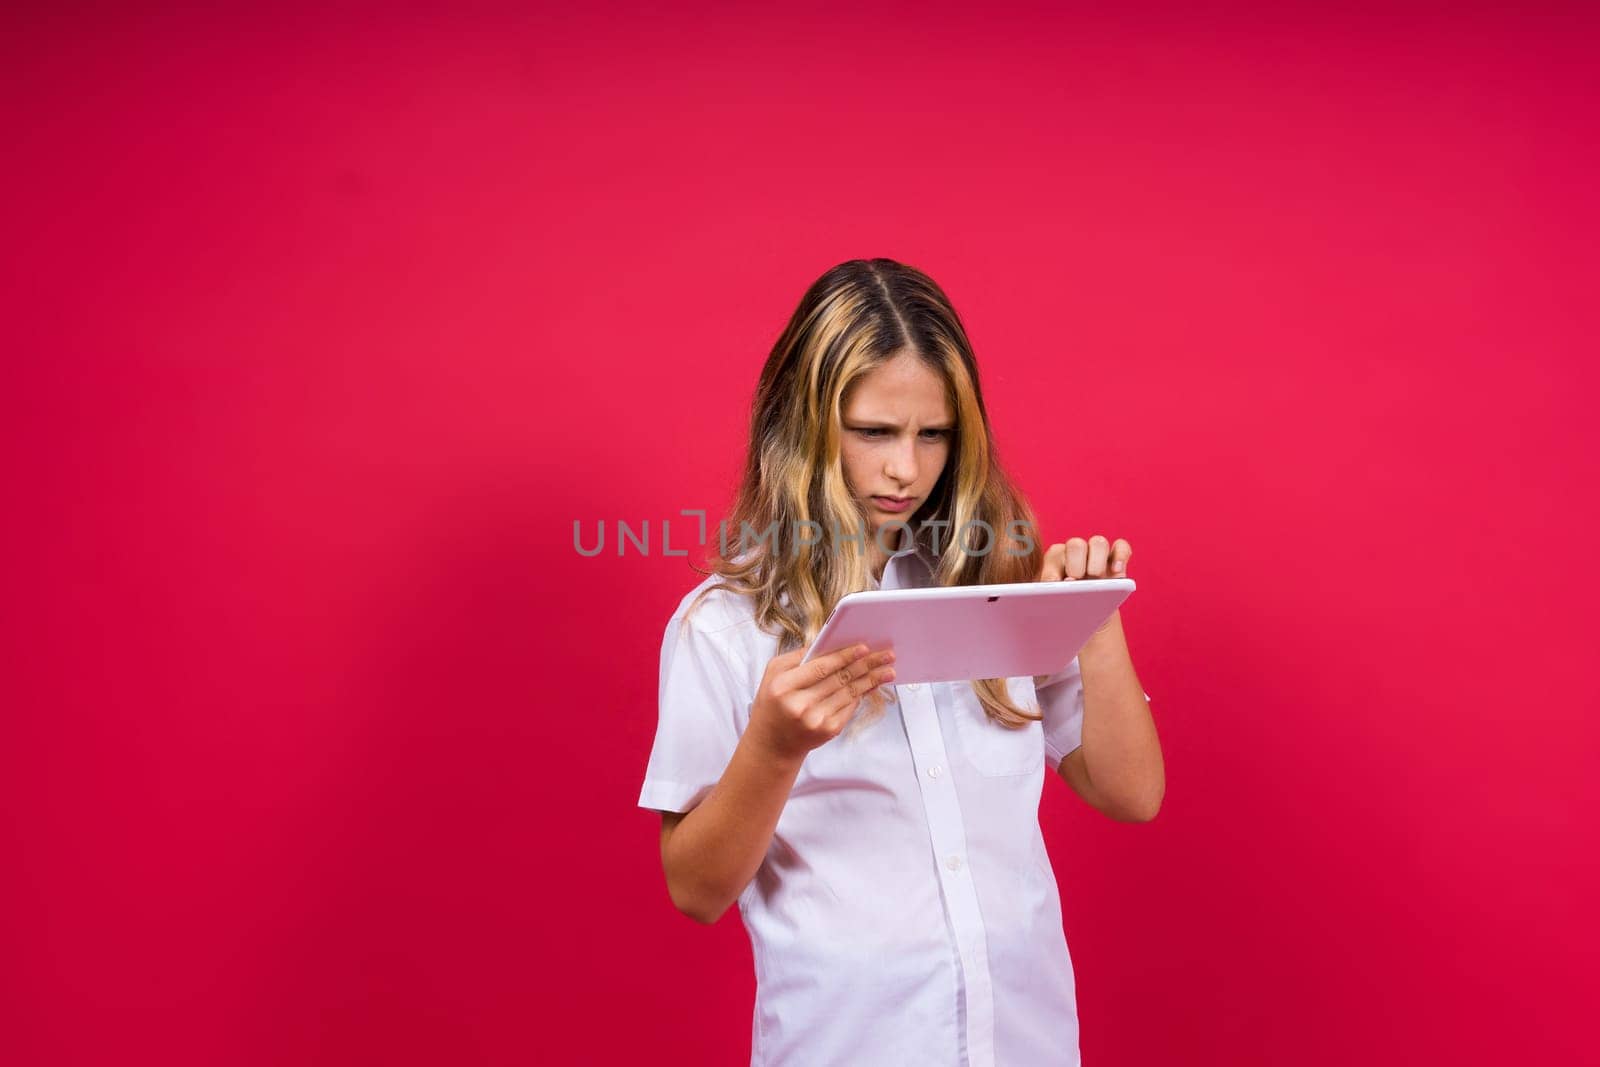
x,y
718,846
1121,752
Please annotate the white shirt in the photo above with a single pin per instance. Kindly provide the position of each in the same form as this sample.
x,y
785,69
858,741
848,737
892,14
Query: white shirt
x,y
906,911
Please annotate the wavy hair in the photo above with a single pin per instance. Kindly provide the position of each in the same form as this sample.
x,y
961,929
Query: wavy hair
x,y
856,317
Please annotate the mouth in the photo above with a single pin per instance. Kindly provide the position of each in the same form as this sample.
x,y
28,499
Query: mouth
x,y
894,503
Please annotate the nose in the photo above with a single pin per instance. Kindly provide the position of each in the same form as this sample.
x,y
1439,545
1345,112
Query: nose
x,y
900,465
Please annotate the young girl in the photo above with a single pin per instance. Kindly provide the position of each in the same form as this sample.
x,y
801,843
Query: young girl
x,y
892,876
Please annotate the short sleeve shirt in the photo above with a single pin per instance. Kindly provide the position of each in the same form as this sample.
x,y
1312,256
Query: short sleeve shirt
x,y
906,911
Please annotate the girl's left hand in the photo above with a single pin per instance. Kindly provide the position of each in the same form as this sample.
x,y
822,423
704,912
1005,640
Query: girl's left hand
x,y
1094,558
1076,558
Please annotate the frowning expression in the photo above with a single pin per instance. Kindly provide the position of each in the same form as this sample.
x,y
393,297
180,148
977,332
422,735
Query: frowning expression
x,y
897,429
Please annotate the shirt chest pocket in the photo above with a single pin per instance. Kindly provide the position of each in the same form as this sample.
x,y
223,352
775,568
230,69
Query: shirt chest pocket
x,y
992,749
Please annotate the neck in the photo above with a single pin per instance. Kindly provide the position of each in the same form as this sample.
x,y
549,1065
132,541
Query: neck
x,y
877,559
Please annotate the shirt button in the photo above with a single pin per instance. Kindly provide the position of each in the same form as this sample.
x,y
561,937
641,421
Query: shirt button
x,y
910,687
954,863
935,771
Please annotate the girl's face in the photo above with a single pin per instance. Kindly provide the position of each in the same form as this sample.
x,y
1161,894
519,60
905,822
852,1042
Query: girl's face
x,y
896,437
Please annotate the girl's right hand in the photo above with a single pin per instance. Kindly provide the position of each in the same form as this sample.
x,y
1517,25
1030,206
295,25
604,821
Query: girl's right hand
x,y
801,706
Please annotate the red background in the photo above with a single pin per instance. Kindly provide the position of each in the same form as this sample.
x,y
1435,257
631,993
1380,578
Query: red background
x,y
324,743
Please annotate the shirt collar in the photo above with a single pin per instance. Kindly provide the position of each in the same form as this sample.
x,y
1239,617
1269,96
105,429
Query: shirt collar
x,y
910,545
898,570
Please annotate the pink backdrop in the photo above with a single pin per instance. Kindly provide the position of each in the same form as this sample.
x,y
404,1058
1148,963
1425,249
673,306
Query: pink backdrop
x,y
324,743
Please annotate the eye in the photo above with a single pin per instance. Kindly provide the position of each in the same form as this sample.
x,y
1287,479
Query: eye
x,y
937,434
871,433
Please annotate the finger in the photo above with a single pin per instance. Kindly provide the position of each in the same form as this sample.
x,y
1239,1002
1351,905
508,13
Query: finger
x,y
784,660
848,706
1099,551
805,675
1054,564
845,675
780,664
844,700
1121,552
1077,558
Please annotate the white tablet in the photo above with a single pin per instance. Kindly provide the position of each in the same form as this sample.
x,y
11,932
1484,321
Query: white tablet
x,y
963,632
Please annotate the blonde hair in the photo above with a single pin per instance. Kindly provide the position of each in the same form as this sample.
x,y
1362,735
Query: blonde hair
x,y
856,317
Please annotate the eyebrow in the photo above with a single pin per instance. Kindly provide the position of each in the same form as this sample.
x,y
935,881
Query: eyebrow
x,y
881,424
